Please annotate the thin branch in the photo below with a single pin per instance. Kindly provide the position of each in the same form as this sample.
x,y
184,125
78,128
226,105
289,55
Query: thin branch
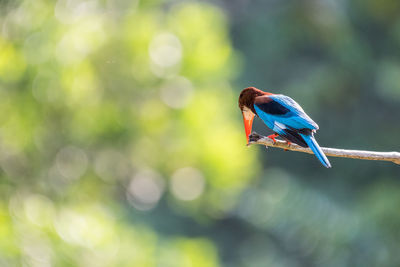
x,y
255,138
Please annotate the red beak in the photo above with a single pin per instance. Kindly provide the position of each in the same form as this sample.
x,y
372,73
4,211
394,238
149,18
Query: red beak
x,y
248,122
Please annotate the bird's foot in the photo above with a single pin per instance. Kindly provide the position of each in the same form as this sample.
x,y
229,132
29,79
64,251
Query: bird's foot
x,y
272,136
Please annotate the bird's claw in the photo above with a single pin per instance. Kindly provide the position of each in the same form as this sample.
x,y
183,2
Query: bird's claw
x,y
272,136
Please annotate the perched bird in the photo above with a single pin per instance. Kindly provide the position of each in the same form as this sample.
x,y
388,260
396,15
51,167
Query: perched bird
x,y
283,115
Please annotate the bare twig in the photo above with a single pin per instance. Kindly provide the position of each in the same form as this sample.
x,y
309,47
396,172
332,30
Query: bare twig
x,y
333,152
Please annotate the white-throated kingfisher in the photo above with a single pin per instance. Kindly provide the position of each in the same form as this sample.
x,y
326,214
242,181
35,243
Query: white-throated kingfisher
x,y
283,115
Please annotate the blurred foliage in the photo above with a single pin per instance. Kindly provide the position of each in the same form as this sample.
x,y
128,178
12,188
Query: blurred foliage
x,y
121,143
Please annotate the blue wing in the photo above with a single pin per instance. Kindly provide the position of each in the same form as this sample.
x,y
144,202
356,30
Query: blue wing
x,y
284,110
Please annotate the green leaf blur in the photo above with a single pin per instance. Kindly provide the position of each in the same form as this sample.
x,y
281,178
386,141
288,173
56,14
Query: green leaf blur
x,y
107,107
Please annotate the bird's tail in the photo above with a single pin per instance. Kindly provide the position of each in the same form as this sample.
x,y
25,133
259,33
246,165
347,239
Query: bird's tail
x,y
312,143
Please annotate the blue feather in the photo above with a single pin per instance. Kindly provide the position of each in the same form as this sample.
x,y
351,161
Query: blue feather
x,y
296,118
312,143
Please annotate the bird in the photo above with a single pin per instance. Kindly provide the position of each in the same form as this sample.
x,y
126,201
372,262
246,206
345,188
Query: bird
x,y
282,115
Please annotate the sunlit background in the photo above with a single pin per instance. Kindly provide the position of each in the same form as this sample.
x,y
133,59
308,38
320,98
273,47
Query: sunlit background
x,y
121,143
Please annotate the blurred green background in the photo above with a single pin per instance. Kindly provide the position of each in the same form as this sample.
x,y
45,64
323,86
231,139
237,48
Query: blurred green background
x,y
121,143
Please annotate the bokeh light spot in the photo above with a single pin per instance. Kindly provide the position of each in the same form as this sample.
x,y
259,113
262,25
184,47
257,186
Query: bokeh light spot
x,y
80,40
145,190
70,11
165,50
177,92
39,210
187,183
36,48
71,162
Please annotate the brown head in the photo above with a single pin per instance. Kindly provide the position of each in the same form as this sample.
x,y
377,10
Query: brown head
x,y
246,105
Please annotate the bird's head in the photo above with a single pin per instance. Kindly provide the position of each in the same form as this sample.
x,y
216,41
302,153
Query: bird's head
x,y
246,105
